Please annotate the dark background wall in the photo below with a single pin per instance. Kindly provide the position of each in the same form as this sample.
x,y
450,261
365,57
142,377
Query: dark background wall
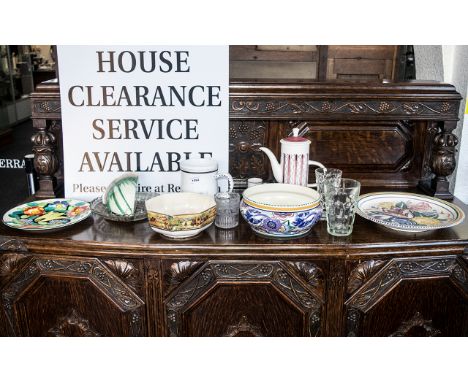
x,y
13,184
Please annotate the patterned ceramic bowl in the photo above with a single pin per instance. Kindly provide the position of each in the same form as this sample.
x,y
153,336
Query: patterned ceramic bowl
x,y
281,210
181,215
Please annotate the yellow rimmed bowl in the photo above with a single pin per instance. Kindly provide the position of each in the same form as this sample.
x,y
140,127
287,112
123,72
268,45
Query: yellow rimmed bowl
x,y
181,215
281,210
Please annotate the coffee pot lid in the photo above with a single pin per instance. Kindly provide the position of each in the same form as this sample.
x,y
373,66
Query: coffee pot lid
x,y
295,137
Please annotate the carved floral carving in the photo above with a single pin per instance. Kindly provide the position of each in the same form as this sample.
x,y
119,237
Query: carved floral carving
x,y
417,321
9,262
311,274
285,107
73,323
245,139
126,271
361,273
180,271
243,326
46,107
12,245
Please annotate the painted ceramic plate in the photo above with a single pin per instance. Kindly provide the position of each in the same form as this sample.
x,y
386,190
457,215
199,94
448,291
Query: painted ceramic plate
x,y
408,212
47,214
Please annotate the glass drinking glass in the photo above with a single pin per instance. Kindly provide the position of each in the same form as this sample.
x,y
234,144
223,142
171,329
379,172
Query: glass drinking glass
x,y
332,175
227,209
340,201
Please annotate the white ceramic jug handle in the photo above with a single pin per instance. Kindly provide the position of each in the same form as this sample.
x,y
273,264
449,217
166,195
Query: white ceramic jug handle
x,y
229,180
318,164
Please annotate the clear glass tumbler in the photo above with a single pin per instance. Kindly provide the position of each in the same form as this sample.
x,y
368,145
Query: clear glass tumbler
x,y
332,175
340,201
227,209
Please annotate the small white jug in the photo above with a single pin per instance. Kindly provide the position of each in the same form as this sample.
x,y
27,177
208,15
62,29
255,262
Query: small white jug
x,y
201,175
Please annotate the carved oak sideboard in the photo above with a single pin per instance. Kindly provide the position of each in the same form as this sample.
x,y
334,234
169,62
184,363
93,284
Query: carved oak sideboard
x,y
99,278
394,135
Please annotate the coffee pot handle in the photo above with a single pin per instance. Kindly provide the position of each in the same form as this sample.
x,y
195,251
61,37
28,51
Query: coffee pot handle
x,y
318,164
229,180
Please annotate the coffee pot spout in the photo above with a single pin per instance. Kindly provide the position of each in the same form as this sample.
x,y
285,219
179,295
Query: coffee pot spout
x,y
275,165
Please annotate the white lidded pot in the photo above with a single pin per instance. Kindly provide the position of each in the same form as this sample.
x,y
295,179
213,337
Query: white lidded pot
x,y
201,175
293,167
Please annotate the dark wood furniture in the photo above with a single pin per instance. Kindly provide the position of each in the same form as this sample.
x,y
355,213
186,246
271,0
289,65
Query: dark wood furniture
x,y
393,135
102,278
322,62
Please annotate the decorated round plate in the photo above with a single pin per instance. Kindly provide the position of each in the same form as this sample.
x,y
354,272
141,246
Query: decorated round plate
x,y
47,214
408,212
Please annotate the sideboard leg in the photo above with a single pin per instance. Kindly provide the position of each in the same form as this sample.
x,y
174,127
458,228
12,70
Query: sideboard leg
x,y
45,158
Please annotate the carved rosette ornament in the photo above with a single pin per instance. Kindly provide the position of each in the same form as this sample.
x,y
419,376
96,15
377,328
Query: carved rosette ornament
x,y
302,282
389,275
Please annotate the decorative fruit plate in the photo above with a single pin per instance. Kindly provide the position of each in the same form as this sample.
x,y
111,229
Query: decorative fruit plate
x,y
408,212
47,214
100,209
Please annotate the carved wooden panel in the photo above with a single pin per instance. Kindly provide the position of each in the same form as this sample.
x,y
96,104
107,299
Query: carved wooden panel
x,y
245,158
376,153
230,298
325,108
414,296
73,296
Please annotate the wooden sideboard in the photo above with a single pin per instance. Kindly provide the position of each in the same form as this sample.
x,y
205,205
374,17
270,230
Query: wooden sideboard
x,y
390,135
99,278
102,278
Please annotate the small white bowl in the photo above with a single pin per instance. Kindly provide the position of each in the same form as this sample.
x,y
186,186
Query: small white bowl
x,y
181,215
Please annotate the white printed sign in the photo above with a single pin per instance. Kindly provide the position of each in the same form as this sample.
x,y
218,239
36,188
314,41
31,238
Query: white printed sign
x,y
141,109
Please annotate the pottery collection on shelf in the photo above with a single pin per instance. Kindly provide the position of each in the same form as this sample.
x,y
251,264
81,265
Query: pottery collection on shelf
x,y
287,209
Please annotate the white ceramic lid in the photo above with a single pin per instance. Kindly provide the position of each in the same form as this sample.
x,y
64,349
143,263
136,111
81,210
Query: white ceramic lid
x,y
199,165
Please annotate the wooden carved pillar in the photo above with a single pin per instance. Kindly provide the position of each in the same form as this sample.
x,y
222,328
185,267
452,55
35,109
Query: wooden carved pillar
x,y
443,159
45,158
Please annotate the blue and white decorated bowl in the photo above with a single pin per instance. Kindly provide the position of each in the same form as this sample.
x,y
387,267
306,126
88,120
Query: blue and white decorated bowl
x,y
281,210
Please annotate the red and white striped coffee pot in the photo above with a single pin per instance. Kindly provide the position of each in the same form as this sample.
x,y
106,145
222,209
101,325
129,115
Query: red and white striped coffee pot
x,y
294,165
